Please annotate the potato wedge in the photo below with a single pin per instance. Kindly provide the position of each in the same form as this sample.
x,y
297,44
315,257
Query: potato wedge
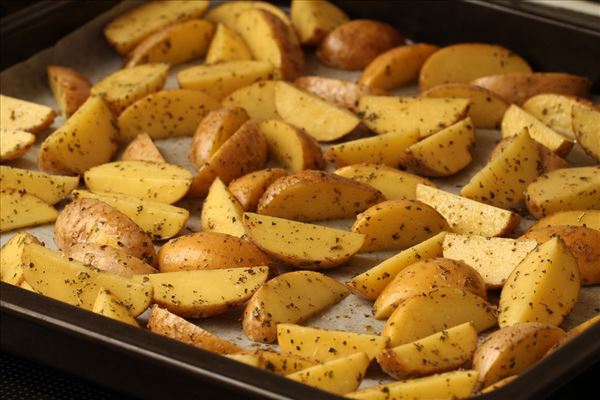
x,y
576,331
354,44
440,352
55,276
586,125
142,148
424,276
544,287
313,20
463,62
14,143
554,110
258,99
164,114
387,149
130,28
204,293
444,153
518,87
340,376
324,345
397,67
372,282
397,225
87,138
299,244
22,115
161,182
443,308
248,189
69,88
499,384
27,286
564,190
175,44
291,146
383,114
226,45
108,258
227,13
108,306
468,217
487,108
588,219
19,209
221,212
323,121
49,188
11,266
548,160
343,94
310,293
248,359
282,363
308,196
493,258
159,220
513,349
165,323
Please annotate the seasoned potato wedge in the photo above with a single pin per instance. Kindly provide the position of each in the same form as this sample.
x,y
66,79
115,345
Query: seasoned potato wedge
x,y
544,287
354,44
88,138
228,12
576,331
11,266
383,114
291,146
463,62
248,359
142,148
493,258
221,212
282,363
397,225
548,160
322,120
226,45
372,282
586,125
513,349
341,93
424,276
204,293
397,67
69,88
49,188
564,190
19,209
55,276
585,218
517,87
554,110
313,20
499,384
22,115
108,306
129,29
175,44
108,258
14,143
249,188
310,292
442,351
258,99
308,196
468,217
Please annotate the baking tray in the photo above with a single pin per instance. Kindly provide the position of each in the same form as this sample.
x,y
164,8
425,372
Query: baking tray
x,y
106,352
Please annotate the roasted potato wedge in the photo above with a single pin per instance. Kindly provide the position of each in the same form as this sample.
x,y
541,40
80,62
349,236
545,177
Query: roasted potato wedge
x,y
548,160
108,258
11,266
586,125
554,110
499,384
14,143
22,115
248,189
69,88
227,13
19,209
313,20
248,359
282,363
49,188
576,331
341,93
221,212
108,306
258,99
142,148
226,45
585,218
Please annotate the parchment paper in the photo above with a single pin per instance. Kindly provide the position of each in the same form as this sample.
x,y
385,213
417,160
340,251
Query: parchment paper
x,y
87,51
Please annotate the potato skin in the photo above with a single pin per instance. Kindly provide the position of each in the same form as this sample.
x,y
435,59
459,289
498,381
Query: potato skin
x,y
90,220
249,188
549,161
355,44
341,93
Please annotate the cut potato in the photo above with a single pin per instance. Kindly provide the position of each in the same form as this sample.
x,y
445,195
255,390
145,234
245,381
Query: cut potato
x,y
165,114
108,258
289,298
423,315
499,384
258,99
576,331
126,86
513,349
27,286
108,306
554,110
493,258
588,219
22,115
313,20
55,276
249,188
49,188
87,139
461,63
372,282
226,45
383,114
227,13
165,183
130,28
204,293
468,217
324,345
11,266
341,93
175,44
397,225
586,125
564,190
282,363
424,276
221,211
69,88
291,146
142,148
340,376
544,287
248,359
19,209
323,121
487,108
548,160
440,352
444,153
397,67
302,245
14,143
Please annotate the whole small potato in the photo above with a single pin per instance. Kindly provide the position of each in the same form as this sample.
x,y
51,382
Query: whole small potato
x,y
355,44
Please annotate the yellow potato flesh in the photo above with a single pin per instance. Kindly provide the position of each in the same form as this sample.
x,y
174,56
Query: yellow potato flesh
x,y
49,188
283,363
315,19
14,143
227,13
227,45
142,148
11,266
258,99
554,110
221,211
22,115
19,210
106,305
587,219
586,124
